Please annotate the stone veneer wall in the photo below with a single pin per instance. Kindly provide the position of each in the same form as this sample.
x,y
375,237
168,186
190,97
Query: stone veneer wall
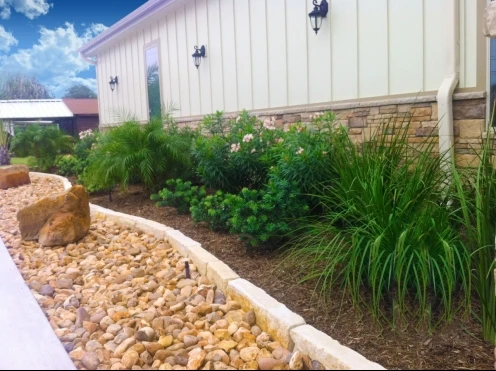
x,y
363,119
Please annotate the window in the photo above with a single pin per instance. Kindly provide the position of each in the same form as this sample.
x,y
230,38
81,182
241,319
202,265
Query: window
x,y
153,82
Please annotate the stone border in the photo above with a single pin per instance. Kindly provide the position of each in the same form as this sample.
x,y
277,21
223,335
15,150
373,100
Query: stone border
x,y
273,317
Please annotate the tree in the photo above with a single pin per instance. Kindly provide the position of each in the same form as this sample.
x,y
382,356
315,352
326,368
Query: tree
x,y
80,91
18,86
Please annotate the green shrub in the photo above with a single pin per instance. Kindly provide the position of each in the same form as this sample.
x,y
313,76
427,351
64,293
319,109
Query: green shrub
x,y
386,230
179,194
304,154
46,144
212,210
261,216
150,154
70,166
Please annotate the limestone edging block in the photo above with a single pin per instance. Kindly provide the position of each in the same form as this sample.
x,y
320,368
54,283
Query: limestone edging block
x,y
272,316
201,258
14,176
328,351
221,274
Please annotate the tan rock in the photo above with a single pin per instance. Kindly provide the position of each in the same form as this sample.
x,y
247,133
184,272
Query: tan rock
x,y
57,220
296,362
196,361
226,346
130,359
249,354
14,176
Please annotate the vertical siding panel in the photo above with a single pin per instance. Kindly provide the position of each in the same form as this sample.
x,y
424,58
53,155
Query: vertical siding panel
x,y
228,37
319,61
214,55
183,61
276,36
164,62
296,17
343,20
101,78
124,102
259,54
175,85
131,76
194,74
147,33
470,36
154,31
141,72
243,53
205,73
136,76
114,107
434,42
373,48
406,46
462,44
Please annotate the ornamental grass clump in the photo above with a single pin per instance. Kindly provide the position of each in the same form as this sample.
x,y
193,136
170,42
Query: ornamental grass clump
x,y
387,233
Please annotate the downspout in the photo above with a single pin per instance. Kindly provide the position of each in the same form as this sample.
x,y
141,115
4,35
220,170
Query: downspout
x,y
445,93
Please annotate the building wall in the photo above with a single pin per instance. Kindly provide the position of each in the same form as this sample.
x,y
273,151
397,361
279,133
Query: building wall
x,y
263,54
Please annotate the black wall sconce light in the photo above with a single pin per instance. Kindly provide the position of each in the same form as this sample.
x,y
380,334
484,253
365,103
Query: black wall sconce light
x,y
113,82
318,14
198,55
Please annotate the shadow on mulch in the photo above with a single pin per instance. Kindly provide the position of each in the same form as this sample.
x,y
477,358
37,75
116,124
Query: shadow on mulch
x,y
455,346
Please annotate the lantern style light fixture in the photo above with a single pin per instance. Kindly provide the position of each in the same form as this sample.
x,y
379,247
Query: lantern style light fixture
x,y
113,81
198,55
318,14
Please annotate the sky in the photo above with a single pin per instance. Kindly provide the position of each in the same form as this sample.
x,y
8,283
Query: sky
x,y
41,37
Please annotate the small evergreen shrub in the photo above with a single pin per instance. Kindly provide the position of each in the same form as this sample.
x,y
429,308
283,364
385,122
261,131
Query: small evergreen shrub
x,y
213,211
179,194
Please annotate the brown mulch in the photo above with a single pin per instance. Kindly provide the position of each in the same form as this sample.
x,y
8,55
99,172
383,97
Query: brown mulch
x,y
454,346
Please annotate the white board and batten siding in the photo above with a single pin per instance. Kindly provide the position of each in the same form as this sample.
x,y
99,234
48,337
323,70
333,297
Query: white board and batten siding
x,y
263,54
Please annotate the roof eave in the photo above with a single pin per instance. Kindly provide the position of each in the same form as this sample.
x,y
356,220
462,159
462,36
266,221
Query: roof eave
x,y
143,12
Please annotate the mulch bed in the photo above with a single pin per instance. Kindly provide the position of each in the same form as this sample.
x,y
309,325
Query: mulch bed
x,y
455,346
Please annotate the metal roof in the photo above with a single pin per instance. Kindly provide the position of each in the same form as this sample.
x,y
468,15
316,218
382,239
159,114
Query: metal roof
x,y
33,109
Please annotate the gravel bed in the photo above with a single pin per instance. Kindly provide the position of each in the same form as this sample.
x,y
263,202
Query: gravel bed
x,y
119,299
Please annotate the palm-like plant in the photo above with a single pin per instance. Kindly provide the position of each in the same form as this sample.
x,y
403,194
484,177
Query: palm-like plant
x,y
46,144
4,146
148,153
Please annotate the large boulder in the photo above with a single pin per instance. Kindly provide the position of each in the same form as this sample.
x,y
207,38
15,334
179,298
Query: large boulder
x,y
14,176
57,220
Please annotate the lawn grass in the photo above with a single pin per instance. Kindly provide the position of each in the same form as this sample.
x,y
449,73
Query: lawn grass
x,y
19,160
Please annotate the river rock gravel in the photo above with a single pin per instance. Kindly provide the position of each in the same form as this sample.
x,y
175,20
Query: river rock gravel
x,y
119,299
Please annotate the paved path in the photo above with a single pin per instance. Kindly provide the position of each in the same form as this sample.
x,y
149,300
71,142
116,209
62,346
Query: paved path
x,y
27,340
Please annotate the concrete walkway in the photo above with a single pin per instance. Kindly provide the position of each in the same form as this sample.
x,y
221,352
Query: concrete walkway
x,y
27,341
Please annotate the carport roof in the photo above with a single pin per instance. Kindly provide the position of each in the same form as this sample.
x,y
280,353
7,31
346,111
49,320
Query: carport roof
x,y
33,109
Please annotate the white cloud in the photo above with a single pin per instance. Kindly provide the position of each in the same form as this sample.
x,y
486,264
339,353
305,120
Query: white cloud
x,y
6,40
54,58
30,8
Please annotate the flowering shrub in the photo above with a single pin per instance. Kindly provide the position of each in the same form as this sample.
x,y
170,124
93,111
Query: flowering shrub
x,y
304,155
238,153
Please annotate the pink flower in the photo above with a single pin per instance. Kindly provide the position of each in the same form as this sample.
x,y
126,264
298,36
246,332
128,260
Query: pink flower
x,y
317,115
235,147
253,150
300,151
248,138
269,125
279,140
238,119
